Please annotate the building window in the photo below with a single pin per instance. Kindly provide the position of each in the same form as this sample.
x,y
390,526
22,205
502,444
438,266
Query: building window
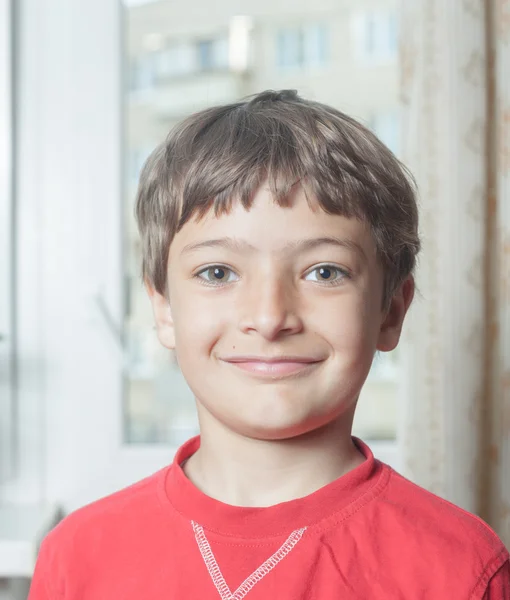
x,y
302,46
289,48
177,58
212,54
315,45
386,126
376,35
142,73
135,161
205,53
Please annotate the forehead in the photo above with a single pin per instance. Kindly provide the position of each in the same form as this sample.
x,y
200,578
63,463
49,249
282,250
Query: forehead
x,y
267,226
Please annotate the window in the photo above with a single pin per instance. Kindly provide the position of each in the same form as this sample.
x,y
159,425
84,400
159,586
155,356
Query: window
x,y
386,125
142,73
302,46
376,36
205,51
289,48
212,54
177,58
315,45
135,161
107,405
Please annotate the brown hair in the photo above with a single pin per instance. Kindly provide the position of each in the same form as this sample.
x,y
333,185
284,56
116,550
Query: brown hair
x,y
223,154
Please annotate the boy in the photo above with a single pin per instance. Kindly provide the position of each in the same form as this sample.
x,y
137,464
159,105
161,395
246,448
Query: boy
x,y
279,241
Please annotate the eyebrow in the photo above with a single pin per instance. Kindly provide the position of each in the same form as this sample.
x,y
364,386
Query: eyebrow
x,y
304,245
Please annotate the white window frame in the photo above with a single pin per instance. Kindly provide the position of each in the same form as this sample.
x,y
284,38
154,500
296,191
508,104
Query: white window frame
x,y
7,348
70,267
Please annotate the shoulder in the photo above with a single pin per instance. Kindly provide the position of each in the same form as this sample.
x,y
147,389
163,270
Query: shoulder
x,y
418,541
97,537
435,518
451,539
134,500
106,522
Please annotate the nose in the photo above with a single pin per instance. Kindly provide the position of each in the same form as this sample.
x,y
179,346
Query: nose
x,y
270,307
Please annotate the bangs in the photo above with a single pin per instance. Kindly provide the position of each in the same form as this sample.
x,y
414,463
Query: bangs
x,y
231,157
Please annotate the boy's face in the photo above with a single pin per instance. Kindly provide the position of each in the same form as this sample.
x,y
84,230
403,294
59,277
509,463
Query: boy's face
x,y
275,315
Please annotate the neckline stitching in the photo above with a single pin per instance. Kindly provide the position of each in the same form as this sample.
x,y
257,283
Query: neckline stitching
x,y
312,528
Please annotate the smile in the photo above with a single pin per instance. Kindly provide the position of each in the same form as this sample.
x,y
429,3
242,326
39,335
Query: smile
x,y
274,368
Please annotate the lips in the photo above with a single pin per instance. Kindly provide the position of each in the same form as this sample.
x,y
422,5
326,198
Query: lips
x,y
273,367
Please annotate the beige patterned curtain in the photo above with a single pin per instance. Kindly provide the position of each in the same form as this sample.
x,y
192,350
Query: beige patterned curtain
x,y
455,426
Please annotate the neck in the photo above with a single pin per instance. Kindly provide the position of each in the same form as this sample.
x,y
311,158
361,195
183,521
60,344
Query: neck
x,y
244,471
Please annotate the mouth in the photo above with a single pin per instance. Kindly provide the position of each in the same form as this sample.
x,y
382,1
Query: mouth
x,y
274,367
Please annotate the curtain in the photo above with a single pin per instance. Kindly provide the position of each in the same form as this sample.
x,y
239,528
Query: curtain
x,y
455,95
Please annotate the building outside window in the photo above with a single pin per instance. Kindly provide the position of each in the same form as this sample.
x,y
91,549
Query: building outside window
x,y
205,53
142,72
386,125
302,46
175,58
212,54
376,36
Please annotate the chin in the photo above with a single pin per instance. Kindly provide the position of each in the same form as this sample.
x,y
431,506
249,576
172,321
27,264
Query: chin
x,y
279,430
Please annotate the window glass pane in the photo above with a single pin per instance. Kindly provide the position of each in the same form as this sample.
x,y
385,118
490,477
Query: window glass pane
x,y
220,51
371,35
289,45
287,49
315,45
205,51
185,61
174,59
392,35
142,72
387,127
375,35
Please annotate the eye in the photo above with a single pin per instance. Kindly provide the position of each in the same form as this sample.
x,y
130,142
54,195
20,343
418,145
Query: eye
x,y
217,275
327,274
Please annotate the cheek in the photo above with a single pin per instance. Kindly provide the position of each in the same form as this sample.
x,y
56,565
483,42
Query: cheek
x,y
350,321
352,330
198,324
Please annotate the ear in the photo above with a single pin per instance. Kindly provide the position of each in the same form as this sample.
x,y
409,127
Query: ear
x,y
162,317
391,326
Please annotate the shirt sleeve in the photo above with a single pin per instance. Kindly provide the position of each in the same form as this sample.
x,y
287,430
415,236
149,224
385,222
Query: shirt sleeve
x,y
499,585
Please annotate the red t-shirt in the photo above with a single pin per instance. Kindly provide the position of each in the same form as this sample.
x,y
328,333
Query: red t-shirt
x,y
369,534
